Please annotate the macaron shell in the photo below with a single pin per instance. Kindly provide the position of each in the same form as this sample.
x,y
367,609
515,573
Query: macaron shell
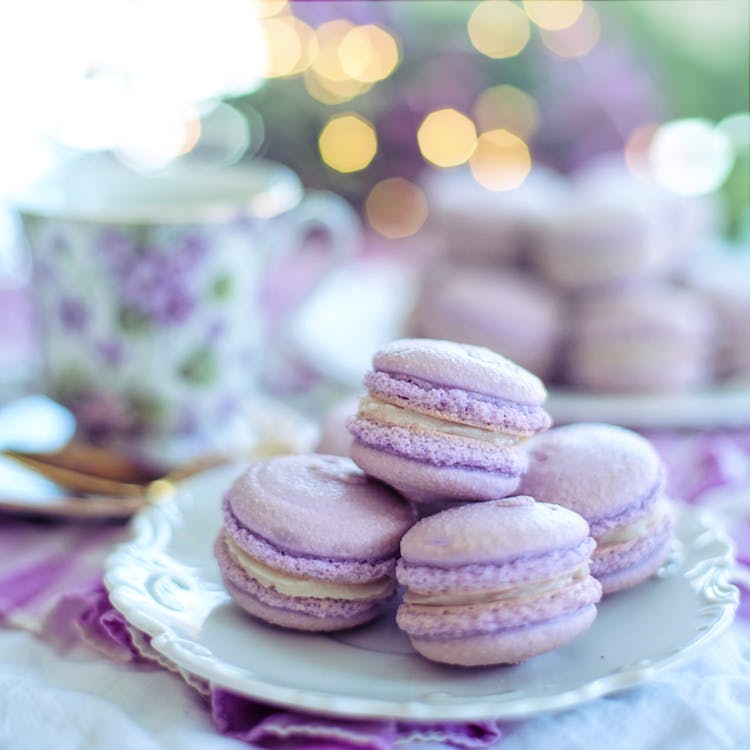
x,y
319,505
597,470
287,618
423,482
458,405
492,532
319,568
473,368
306,613
440,448
465,621
506,646
436,579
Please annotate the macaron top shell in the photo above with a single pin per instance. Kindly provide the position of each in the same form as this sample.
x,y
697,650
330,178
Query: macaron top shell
x,y
321,506
597,470
453,365
491,532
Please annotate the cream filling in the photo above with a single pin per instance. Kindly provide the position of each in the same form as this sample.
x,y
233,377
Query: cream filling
x,y
374,409
508,593
635,530
290,585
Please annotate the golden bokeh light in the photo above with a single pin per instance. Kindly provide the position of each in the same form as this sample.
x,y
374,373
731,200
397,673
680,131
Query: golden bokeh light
x,y
498,28
291,46
268,8
396,208
447,138
501,160
348,143
327,63
553,14
507,108
368,53
577,40
333,92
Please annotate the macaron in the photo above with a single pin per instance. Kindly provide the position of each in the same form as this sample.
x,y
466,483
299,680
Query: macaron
x,y
480,226
309,542
615,479
639,339
496,582
444,422
505,310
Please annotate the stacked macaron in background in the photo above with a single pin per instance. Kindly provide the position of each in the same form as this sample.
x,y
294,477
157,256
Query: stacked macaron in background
x,y
577,269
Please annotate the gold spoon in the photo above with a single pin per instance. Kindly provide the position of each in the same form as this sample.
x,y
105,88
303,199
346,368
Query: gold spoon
x,y
100,472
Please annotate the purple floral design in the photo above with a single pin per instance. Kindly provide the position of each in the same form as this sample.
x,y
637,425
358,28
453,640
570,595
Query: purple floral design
x,y
155,281
102,417
73,314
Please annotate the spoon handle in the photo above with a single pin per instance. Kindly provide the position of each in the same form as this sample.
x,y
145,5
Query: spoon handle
x,y
75,480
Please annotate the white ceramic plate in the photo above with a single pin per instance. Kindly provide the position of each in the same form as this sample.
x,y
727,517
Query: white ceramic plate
x,y
166,583
723,406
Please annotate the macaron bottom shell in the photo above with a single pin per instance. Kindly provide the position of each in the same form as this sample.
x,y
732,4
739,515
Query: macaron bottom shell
x,y
423,482
506,646
296,612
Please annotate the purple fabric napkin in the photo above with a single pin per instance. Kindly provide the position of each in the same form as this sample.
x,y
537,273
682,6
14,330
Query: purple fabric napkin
x,y
50,584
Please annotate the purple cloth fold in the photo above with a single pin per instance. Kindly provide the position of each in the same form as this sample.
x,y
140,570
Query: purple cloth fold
x,y
50,583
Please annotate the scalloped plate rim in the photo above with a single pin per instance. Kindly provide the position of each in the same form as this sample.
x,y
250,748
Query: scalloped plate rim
x,y
153,523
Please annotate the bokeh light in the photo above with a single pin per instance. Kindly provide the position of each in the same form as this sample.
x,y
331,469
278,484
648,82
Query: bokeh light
x,y
348,143
327,80
327,91
447,137
396,208
690,157
506,107
327,63
636,150
576,40
156,138
501,160
227,134
291,46
737,128
498,28
553,14
368,53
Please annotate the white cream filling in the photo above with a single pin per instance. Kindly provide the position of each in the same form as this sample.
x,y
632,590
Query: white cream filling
x,y
374,409
635,530
508,593
290,585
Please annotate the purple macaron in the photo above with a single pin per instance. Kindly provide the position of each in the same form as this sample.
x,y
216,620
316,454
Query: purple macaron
x,y
443,422
615,479
309,542
496,582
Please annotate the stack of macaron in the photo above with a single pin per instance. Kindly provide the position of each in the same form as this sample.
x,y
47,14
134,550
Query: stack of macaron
x,y
532,526
602,294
